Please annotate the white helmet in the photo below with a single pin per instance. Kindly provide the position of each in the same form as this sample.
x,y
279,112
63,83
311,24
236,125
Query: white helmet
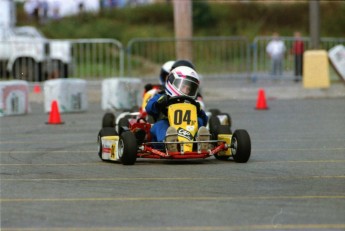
x,y
165,70
182,80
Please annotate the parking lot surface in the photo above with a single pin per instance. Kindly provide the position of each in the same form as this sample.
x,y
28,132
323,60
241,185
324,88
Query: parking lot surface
x,y
53,179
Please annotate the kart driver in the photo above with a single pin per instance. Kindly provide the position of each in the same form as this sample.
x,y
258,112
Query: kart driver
x,y
182,81
167,67
151,90
183,62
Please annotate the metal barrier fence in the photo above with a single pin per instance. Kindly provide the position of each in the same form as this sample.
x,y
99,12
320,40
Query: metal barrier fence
x,y
212,56
96,59
40,60
261,63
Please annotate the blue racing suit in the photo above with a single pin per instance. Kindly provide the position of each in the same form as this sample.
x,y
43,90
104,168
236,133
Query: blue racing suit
x,y
158,130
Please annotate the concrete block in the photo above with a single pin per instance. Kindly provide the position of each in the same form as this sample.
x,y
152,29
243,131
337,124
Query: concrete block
x,y
14,98
121,93
337,57
316,69
71,95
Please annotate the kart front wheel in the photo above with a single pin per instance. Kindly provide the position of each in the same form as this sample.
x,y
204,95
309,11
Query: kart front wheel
x,y
107,131
240,146
127,148
223,129
214,124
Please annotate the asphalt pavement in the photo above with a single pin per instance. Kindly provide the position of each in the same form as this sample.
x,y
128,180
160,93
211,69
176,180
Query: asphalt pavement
x,y
214,89
52,178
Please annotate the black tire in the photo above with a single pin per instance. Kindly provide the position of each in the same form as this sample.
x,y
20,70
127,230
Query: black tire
x,y
150,119
108,131
214,111
213,124
127,148
123,125
26,69
223,129
58,70
65,71
108,120
228,117
240,146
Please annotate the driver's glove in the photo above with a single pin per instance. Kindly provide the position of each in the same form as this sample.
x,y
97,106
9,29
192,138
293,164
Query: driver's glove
x,y
162,102
198,107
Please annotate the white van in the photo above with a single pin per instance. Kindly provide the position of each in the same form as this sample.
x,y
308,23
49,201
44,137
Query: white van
x,y
60,51
26,54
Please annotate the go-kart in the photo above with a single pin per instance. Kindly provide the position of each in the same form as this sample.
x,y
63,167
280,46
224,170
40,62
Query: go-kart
x,y
133,140
216,117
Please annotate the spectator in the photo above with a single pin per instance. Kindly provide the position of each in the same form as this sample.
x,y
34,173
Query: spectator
x,y
81,6
55,9
31,7
297,51
44,7
276,49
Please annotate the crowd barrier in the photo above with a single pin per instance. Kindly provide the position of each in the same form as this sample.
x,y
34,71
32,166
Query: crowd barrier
x,y
97,59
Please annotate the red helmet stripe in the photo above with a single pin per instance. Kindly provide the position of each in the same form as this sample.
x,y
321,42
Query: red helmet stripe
x,y
180,74
173,90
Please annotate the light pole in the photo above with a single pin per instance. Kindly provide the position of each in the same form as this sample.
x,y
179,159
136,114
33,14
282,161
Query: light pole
x,y
183,24
314,23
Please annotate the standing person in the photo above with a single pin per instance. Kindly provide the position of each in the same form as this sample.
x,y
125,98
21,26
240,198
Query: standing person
x,y
44,7
276,50
55,6
31,7
297,51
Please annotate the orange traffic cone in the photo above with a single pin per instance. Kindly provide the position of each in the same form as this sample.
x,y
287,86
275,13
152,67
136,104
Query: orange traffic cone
x,y
261,102
54,116
37,88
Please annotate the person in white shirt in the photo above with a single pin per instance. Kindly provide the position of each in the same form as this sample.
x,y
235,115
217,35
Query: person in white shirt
x,y
276,50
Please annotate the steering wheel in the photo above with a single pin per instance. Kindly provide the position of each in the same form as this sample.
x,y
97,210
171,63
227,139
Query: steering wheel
x,y
182,99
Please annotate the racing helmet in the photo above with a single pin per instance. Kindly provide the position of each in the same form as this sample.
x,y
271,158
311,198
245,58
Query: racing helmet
x,y
182,62
182,80
165,69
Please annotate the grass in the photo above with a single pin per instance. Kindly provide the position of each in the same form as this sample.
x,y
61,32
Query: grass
x,y
231,19
216,19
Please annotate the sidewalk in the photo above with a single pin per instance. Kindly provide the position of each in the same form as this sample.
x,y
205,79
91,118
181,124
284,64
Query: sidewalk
x,y
234,89
239,89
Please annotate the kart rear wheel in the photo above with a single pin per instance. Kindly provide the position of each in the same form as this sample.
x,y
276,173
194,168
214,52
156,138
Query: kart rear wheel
x,y
123,125
108,131
227,121
214,111
223,129
108,120
127,148
240,146
213,124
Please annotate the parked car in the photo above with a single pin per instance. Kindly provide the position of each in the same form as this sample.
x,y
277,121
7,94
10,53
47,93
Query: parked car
x,y
27,54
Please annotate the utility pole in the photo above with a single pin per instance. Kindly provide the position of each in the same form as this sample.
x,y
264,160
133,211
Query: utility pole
x,y
314,23
183,24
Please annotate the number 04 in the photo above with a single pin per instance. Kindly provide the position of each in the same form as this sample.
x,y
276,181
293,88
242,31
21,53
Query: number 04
x,y
180,117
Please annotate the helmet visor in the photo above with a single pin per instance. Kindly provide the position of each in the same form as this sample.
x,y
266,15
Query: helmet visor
x,y
186,87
